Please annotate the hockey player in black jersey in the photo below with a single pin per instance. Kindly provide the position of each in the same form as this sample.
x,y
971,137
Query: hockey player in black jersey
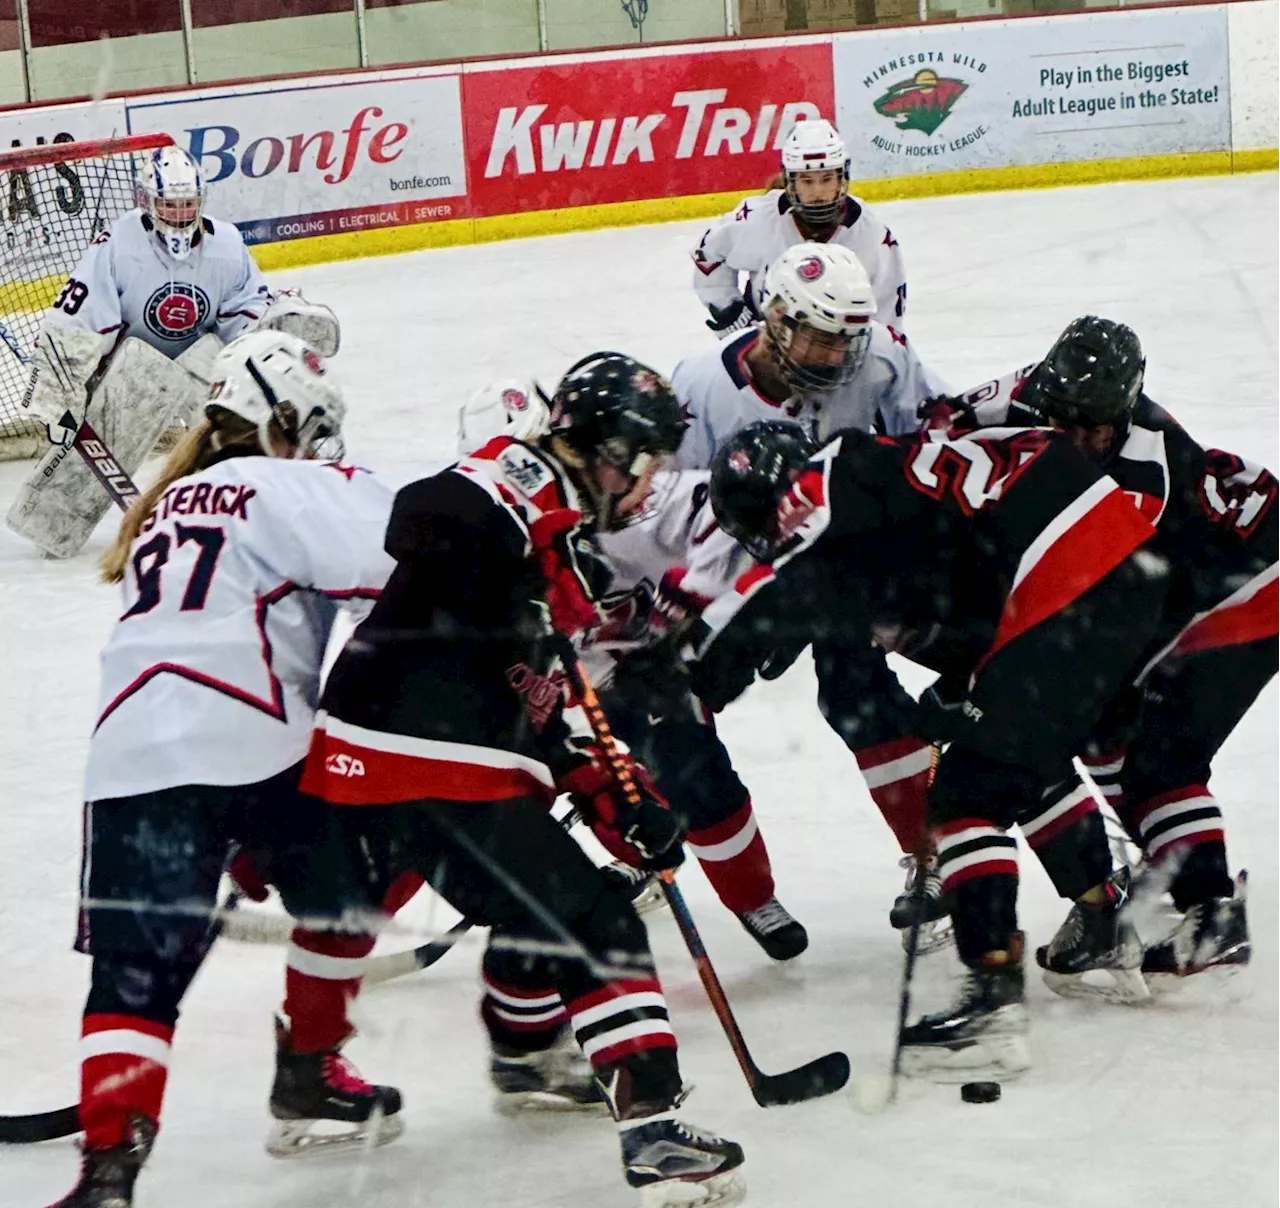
x,y
1215,518
1009,564
452,698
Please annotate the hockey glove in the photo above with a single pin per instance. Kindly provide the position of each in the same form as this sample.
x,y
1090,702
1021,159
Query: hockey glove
x,y
566,580
942,715
645,834
244,872
733,316
945,414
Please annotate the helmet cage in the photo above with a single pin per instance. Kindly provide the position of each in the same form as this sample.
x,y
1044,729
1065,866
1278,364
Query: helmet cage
x,y
781,329
819,217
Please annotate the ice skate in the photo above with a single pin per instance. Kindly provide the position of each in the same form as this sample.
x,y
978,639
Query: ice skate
x,y
640,887
107,1175
1096,953
773,928
935,922
982,1037
555,1079
313,1092
1211,938
671,1163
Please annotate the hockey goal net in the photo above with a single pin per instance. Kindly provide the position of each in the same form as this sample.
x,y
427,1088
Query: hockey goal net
x,y
55,199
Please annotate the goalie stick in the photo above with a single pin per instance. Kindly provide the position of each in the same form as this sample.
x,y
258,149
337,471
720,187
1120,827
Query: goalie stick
x,y
824,1075
91,447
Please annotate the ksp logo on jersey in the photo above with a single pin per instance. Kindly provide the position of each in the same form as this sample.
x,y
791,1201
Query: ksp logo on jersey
x,y
344,765
175,310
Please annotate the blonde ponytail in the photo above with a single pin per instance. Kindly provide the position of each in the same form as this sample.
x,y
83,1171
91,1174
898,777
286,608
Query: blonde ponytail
x,y
196,451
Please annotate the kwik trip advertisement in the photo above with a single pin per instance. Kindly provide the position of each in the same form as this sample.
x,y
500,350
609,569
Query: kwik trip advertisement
x,y
1001,92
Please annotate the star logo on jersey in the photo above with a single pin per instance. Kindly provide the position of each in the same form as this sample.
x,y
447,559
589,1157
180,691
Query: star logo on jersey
x,y
810,268
922,103
175,310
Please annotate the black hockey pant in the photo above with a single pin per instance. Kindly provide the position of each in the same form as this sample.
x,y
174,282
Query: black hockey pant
x,y
564,947
1032,706
152,863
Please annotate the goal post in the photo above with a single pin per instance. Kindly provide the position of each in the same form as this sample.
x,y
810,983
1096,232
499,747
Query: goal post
x,y
55,199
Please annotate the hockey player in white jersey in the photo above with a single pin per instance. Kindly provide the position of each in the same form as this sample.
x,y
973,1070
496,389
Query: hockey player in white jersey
x,y
128,342
813,206
819,357
232,566
672,548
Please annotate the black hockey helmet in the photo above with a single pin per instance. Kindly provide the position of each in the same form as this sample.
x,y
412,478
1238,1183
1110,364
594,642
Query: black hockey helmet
x,y
750,474
1091,376
611,408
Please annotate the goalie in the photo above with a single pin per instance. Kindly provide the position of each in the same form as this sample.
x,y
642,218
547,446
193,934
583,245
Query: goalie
x,y
128,342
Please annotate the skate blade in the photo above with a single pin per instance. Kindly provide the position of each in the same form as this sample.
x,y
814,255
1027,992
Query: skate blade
x,y
1126,987
933,937
719,1191
990,1059
296,1138
518,1102
1205,984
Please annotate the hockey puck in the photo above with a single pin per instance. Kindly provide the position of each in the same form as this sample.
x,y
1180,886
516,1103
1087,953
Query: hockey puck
x,y
980,1092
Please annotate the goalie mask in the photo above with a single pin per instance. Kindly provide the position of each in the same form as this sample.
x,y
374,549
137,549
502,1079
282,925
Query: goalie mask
x,y
614,419
283,387
815,167
170,190
817,304
750,474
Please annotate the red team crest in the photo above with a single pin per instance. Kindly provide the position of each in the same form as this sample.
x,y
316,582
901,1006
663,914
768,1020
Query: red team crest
x,y
176,310
515,400
810,268
313,361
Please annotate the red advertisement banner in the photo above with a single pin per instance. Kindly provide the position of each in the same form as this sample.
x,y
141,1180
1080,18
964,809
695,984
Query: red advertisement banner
x,y
666,125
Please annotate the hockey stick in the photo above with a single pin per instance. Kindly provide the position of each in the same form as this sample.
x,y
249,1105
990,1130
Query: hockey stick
x,y
822,1076
105,468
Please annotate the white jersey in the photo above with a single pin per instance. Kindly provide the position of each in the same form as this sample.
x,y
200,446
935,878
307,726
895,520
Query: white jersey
x,y
212,673
754,235
127,280
717,394
674,529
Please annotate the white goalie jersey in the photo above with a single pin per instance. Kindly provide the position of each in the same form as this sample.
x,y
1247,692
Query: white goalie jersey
x,y
755,234
126,280
212,673
717,394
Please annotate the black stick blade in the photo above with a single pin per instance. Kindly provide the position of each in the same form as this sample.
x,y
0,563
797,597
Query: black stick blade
x,y
40,1126
823,1076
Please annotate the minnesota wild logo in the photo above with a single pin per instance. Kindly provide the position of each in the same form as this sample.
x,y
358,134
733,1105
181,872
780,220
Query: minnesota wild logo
x,y
923,102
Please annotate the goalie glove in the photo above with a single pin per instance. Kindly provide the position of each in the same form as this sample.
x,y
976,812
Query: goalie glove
x,y
64,360
312,322
644,834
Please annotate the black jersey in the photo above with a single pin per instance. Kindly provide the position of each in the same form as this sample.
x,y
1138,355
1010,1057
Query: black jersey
x,y
975,539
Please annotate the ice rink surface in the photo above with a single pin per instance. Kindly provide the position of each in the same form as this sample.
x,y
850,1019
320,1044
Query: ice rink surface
x,y
1171,1106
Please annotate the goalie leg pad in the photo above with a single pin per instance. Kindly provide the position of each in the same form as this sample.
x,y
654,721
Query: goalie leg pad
x,y
60,504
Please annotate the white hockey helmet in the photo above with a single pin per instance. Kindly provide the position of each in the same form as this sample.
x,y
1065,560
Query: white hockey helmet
x,y
170,189
817,303
815,145
271,377
507,408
